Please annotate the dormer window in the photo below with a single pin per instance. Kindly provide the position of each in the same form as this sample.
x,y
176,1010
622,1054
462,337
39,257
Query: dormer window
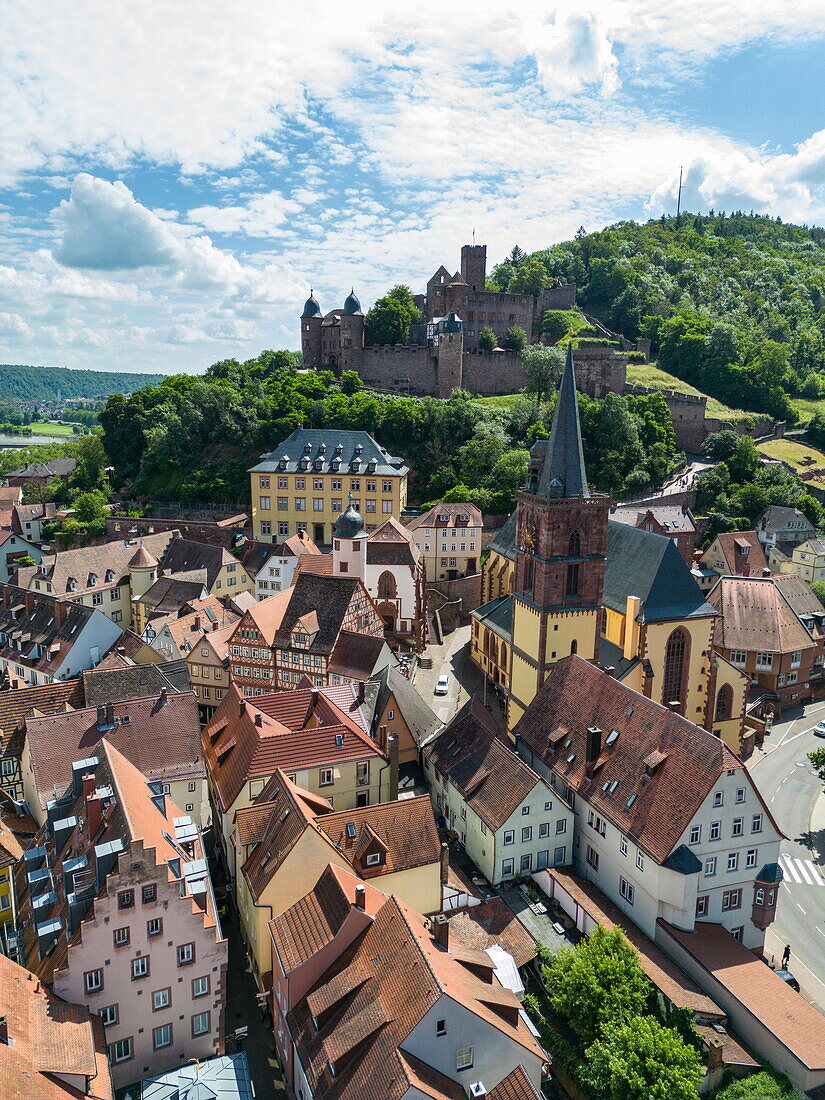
x,y
339,447
304,463
71,584
307,448
322,448
373,859
358,448
335,465
92,580
110,576
300,639
282,463
355,465
318,464
371,466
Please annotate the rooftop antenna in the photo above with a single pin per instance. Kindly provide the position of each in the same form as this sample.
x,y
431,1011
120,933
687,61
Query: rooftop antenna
x,y
474,236
679,198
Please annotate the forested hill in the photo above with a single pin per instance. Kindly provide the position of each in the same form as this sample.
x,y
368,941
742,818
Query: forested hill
x,y
734,304
44,383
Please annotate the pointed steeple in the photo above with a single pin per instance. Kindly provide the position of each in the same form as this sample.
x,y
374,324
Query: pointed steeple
x,y
563,474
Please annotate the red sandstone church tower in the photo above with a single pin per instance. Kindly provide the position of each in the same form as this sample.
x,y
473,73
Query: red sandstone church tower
x,y
561,544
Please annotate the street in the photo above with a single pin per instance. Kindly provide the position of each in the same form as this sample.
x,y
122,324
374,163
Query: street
x,y
793,792
452,659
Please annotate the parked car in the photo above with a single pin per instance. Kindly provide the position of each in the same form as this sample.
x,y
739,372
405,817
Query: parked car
x,y
442,685
788,978
819,729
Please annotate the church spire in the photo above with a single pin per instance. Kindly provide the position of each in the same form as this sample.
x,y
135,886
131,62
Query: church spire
x,y
563,474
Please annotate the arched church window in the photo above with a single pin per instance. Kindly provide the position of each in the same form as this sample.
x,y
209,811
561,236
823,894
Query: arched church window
x,y
572,583
386,586
574,546
574,647
724,703
677,656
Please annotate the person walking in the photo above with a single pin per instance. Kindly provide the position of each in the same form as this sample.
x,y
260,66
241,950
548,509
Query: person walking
x,y
786,956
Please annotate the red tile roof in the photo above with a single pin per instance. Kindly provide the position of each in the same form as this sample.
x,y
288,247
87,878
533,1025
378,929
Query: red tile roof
x,y
515,1086
404,831
493,922
755,615
732,544
430,518
654,810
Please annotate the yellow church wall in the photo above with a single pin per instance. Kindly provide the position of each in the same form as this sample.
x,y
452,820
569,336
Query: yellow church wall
x,y
731,731
698,671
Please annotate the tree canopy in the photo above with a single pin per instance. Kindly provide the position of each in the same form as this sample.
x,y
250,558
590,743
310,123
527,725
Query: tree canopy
x,y
389,320
638,1059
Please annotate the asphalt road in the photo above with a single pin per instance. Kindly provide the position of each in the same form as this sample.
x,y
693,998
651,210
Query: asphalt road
x,y
791,788
452,659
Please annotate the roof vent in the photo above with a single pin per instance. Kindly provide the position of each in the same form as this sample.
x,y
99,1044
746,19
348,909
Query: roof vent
x,y
478,1088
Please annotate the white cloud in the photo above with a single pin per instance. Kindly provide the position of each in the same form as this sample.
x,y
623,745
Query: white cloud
x,y
13,325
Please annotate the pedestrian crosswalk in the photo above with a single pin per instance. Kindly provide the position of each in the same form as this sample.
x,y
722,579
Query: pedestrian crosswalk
x,y
800,870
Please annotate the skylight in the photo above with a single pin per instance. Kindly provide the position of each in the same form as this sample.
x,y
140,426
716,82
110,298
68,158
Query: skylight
x,y
611,738
350,830
571,758
630,801
613,786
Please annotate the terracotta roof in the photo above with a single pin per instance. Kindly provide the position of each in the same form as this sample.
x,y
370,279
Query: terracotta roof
x,y
679,989
653,811
311,923
267,615
331,704
756,616
493,922
799,595
492,779
320,566
331,598
357,656
17,704
515,1086
375,994
47,1036
243,742
432,517
392,544
731,545
796,1024
161,739
403,831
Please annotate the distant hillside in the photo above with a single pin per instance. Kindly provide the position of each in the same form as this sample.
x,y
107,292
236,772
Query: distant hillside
x,y
45,383
733,304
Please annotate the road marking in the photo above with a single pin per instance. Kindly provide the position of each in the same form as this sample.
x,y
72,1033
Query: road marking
x,y
819,930
801,871
801,910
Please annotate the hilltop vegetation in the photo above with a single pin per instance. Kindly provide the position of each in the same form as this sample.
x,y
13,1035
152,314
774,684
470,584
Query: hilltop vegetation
x,y
733,304
44,383
193,438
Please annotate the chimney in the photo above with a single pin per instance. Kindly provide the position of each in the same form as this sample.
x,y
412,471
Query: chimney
x,y
445,862
314,697
441,931
28,599
392,750
197,623
675,705
766,572
716,1047
94,807
610,671
241,707
101,717
259,718
361,691
59,613
360,897
382,738
164,696
110,716
594,745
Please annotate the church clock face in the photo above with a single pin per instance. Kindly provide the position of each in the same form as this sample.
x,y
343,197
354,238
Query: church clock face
x,y
529,535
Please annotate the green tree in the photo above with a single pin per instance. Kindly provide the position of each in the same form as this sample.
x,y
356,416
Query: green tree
x,y
351,382
818,589
90,506
515,339
638,1059
761,1086
487,339
389,320
543,367
817,758
530,278
554,325
599,982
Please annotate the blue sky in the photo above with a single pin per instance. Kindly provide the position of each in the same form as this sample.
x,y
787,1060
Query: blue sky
x,y
172,183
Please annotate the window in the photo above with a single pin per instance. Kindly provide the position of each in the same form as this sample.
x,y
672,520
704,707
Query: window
x,y
200,986
764,661
526,863
150,893
710,866
373,859
317,504
109,1015
386,507
464,1058
677,658
724,703
592,858
527,834
162,1036
756,823
300,504
186,954
283,527
792,678
300,483
559,856
737,933
796,659
121,1051
525,810
715,830
126,899
561,826
507,868
154,927
283,504
282,483
702,905
695,834
140,967
325,777
441,1027
740,795
544,829
121,937
738,657
509,836
386,486
627,890
733,861
93,981
265,504
718,799
117,616
623,845
750,858
200,1024
731,899
738,826
161,998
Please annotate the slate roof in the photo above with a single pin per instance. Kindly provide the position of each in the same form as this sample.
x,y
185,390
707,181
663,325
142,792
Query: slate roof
x,y
169,594
653,811
776,518
47,1036
563,473
505,541
358,656
161,739
797,1025
375,994
497,614
491,778
756,616
184,556
53,467
612,656
329,597
30,617
671,517
640,563
79,564
294,448
392,684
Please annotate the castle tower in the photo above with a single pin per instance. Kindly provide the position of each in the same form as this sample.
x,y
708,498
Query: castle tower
x,y
352,333
143,571
561,543
474,266
349,544
311,319
450,354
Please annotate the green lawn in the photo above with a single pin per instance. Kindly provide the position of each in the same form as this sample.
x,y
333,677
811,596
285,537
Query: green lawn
x,y
807,407
795,454
51,427
501,401
648,374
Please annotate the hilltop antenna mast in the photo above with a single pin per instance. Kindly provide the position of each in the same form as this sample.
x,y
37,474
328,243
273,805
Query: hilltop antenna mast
x,y
679,198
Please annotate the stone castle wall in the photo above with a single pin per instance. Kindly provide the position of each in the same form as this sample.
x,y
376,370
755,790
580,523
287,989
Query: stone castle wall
x,y
692,425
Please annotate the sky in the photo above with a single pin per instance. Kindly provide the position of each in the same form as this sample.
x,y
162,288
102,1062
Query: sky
x,y
174,177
